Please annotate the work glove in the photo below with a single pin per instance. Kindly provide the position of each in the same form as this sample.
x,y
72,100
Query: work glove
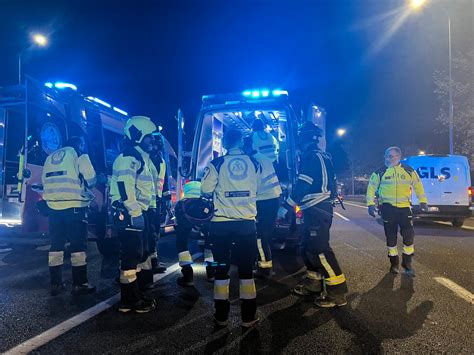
x,y
371,210
282,212
138,222
424,207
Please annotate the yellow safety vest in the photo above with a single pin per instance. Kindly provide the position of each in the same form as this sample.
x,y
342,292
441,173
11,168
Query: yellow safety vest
x,y
62,184
232,180
267,144
394,186
132,181
158,180
268,186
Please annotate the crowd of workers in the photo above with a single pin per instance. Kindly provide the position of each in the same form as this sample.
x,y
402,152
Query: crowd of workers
x,y
235,205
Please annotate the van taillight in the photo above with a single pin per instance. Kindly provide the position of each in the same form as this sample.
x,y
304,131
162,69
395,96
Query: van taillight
x,y
469,193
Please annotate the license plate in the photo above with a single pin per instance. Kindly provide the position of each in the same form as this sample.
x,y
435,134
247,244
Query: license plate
x,y
433,209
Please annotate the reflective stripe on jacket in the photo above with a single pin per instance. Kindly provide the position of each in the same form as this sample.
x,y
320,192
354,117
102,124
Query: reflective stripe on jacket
x,y
394,185
232,180
132,183
268,186
266,144
65,176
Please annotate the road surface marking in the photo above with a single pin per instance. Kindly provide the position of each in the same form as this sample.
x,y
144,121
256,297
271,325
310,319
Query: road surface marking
x,y
354,204
458,290
341,216
58,330
449,224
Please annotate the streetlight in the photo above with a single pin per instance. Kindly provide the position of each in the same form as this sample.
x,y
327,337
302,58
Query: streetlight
x,y
38,39
341,132
416,5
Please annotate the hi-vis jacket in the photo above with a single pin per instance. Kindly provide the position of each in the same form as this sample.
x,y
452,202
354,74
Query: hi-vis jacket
x,y
316,180
65,177
158,174
232,180
132,181
268,186
267,144
394,185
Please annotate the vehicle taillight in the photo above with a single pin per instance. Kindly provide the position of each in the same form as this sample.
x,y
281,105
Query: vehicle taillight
x,y
469,193
298,212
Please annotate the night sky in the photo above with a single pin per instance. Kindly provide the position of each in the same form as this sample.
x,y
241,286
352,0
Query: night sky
x,y
151,57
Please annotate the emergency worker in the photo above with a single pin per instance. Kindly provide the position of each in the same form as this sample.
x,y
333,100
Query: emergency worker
x,y
264,142
67,176
268,202
314,191
394,183
132,190
158,168
232,181
192,211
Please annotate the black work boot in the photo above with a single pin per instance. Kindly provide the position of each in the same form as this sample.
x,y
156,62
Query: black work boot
x,y
406,264
187,279
249,312
56,274
309,287
80,286
394,261
130,300
157,267
145,280
264,273
221,317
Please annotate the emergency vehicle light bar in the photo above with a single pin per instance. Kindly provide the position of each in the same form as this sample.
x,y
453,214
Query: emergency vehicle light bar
x,y
247,95
60,85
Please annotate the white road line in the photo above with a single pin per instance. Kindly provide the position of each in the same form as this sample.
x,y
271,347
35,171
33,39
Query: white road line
x,y
355,205
58,330
458,290
341,216
449,224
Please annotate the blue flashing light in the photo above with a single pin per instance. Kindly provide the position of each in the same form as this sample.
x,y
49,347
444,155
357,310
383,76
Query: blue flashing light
x,y
116,109
61,85
263,93
49,85
279,92
99,101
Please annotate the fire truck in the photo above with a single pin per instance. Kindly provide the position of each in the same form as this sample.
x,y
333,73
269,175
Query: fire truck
x,y
35,120
222,112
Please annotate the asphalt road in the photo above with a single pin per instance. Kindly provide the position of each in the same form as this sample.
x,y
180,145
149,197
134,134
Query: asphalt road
x,y
432,313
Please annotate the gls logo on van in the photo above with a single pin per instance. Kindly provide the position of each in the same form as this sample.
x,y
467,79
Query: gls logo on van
x,y
429,173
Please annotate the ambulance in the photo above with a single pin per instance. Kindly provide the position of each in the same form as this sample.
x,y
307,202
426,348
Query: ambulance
x,y
222,112
447,183
35,120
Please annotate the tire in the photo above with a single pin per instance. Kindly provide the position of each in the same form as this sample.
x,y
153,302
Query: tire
x,y
457,222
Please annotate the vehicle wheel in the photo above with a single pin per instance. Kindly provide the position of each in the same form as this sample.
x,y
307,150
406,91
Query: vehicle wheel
x,y
457,222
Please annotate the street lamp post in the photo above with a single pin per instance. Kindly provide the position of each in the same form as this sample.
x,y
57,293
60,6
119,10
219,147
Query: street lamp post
x,y
415,5
38,39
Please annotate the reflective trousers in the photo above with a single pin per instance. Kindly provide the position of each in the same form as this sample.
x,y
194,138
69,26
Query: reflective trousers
x,y
266,214
68,225
319,258
234,241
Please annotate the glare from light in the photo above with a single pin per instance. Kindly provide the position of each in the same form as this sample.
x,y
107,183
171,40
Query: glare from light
x,y
341,132
278,92
247,93
99,101
265,93
160,128
49,85
40,39
255,93
416,4
116,109
421,152
61,85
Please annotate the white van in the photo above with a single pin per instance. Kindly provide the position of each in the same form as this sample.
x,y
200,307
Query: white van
x,y
447,183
